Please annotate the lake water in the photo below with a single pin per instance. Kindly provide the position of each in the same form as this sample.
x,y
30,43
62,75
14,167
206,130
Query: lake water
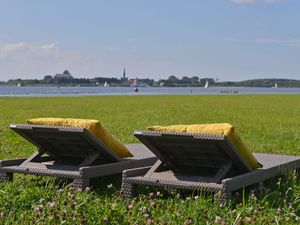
x,y
94,91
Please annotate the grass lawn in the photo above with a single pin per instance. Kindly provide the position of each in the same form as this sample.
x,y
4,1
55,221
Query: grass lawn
x,y
267,123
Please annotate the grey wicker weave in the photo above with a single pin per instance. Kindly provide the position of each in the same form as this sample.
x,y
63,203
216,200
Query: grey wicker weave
x,y
72,153
201,163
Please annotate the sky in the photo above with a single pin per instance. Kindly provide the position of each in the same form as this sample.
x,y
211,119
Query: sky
x,y
225,39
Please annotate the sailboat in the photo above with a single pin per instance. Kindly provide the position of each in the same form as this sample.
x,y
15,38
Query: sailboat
x,y
106,84
275,86
206,84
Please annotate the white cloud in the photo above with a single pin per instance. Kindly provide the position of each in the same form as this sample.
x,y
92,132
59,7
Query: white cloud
x,y
24,51
48,46
256,1
24,60
15,47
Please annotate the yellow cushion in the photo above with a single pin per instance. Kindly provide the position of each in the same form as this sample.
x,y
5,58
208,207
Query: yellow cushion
x,y
171,128
94,126
218,128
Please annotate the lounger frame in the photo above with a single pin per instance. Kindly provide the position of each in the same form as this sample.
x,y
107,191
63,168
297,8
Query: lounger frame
x,y
93,159
223,186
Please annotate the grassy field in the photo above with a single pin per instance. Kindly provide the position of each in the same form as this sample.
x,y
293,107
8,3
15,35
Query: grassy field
x,y
267,123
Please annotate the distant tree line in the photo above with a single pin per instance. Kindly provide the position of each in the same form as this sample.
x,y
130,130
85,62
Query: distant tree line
x,y
263,83
48,80
171,81
195,81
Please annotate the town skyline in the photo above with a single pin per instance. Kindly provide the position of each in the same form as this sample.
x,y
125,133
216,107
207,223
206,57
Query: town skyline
x,y
124,75
66,79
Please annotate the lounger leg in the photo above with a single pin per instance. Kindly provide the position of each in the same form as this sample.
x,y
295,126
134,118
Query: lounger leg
x,y
81,183
5,176
224,196
128,189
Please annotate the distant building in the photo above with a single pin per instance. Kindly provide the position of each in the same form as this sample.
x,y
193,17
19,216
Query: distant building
x,y
124,79
65,75
131,81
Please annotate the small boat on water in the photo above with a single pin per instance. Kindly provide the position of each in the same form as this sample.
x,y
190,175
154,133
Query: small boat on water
x,y
206,84
106,84
275,85
137,84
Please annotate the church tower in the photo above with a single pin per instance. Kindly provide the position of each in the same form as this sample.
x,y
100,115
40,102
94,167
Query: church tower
x,y
124,74
124,79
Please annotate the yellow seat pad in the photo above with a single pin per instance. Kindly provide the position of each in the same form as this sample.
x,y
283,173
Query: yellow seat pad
x,y
93,126
225,129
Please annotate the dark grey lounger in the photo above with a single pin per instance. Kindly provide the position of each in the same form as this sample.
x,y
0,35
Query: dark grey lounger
x,y
201,162
72,153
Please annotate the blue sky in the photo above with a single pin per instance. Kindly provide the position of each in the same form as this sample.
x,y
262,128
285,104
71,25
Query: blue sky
x,y
228,39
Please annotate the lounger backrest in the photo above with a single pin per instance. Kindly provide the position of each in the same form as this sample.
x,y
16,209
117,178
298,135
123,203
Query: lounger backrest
x,y
64,142
184,151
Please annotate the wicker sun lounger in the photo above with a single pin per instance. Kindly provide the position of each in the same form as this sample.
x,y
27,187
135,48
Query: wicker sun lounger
x,y
201,162
72,153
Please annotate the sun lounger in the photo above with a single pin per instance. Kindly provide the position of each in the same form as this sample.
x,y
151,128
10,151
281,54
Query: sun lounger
x,y
201,162
72,153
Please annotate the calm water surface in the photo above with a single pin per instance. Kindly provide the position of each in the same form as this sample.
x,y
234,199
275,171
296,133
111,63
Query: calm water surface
x,y
87,91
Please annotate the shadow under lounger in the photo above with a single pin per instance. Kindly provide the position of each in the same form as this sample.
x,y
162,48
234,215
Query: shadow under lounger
x,y
201,163
72,153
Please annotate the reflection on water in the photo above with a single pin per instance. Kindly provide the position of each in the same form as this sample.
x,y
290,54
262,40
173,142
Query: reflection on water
x,y
81,91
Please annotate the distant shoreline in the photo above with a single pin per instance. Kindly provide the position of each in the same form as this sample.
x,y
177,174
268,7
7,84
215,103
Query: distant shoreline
x,y
66,79
34,91
99,86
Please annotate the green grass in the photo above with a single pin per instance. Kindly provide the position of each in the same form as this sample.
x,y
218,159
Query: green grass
x,y
267,123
